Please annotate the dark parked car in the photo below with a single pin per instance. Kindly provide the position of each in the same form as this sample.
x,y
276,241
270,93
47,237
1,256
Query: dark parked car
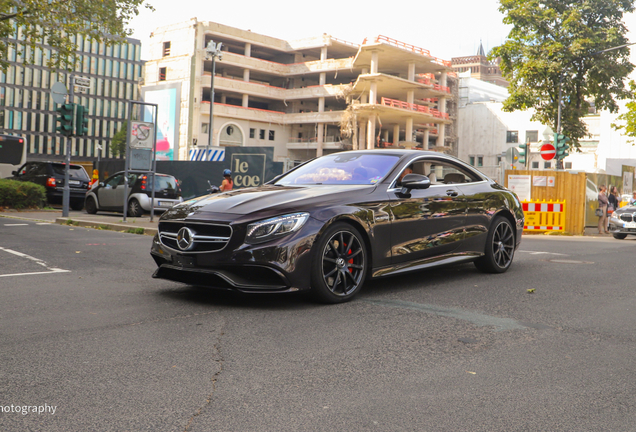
x,y
331,223
622,222
51,176
109,194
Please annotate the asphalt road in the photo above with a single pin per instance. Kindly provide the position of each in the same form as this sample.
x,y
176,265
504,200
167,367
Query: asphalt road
x,y
84,329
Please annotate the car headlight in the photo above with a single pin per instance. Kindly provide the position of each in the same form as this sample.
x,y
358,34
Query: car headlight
x,y
268,229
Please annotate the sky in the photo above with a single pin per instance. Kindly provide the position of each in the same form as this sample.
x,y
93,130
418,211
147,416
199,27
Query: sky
x,y
451,28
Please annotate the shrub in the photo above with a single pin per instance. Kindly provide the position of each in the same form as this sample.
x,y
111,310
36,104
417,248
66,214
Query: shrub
x,y
19,195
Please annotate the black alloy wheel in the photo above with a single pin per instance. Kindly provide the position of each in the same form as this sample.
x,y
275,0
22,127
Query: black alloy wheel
x,y
134,208
90,206
500,247
339,268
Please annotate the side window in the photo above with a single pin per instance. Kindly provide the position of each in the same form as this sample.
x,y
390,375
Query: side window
x,y
113,181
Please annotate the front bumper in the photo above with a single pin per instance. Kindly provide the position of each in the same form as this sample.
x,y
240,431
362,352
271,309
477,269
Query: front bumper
x,y
282,265
618,226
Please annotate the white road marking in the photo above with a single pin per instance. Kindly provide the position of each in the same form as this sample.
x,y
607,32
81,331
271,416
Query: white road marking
x,y
16,224
43,223
36,260
543,253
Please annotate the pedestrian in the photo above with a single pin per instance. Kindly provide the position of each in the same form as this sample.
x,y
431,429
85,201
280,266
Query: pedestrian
x,y
613,200
602,204
227,184
632,200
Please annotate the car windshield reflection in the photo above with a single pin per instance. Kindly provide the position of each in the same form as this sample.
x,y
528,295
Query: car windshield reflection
x,y
348,169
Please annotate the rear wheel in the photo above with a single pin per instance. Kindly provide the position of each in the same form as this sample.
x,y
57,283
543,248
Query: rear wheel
x,y
619,236
90,205
500,247
340,264
134,208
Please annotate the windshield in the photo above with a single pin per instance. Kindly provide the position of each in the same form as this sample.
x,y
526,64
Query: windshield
x,y
362,169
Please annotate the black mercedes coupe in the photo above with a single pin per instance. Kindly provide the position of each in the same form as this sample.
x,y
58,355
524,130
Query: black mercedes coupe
x,y
331,223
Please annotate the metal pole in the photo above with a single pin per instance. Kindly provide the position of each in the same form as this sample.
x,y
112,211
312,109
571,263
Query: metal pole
x,y
154,167
211,126
66,191
127,161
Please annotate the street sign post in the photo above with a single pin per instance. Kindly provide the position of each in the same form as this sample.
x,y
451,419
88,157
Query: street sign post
x,y
548,151
142,135
82,84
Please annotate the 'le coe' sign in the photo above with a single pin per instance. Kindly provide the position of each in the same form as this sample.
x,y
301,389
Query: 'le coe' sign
x,y
248,170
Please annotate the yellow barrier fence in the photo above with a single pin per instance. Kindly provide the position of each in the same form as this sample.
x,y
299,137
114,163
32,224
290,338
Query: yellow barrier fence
x,y
544,215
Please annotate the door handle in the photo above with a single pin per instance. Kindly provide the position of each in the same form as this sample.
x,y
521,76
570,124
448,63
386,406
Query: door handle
x,y
451,192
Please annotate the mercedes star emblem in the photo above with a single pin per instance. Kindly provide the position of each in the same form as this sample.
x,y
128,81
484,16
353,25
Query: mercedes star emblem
x,y
185,238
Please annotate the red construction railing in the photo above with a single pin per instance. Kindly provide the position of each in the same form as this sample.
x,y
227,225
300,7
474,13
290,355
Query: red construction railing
x,y
345,42
403,45
394,103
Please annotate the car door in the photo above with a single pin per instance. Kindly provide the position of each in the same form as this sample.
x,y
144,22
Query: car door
x,y
107,193
426,222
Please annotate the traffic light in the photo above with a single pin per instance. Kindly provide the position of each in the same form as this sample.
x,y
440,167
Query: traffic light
x,y
65,117
81,120
561,145
524,153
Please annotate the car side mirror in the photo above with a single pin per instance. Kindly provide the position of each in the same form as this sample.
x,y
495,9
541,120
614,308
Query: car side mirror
x,y
415,181
14,173
101,184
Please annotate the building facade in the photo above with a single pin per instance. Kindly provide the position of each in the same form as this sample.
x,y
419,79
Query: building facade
x,y
27,107
480,67
305,98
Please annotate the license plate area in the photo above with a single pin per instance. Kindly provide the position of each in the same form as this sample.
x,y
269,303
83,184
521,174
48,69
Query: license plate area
x,y
74,182
184,261
165,204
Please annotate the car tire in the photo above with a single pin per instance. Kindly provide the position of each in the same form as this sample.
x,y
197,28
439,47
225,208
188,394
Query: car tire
x,y
619,236
339,265
76,205
500,247
134,208
90,205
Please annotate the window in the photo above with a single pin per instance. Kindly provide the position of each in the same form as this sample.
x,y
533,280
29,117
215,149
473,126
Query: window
x,y
532,136
480,161
166,49
204,128
162,74
547,164
512,136
568,165
472,160
271,135
535,165
261,134
252,132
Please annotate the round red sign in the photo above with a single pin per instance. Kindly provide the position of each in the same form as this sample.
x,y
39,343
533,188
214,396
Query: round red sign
x,y
548,151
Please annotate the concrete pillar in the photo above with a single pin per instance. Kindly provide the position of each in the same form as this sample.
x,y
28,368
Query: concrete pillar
x,y
373,93
248,50
371,132
223,99
411,73
361,136
246,100
364,99
396,134
386,135
246,75
323,53
323,78
441,138
374,62
425,145
319,139
441,130
321,104
408,135
410,96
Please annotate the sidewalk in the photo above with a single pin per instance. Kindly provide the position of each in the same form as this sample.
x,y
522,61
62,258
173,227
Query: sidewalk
x,y
110,221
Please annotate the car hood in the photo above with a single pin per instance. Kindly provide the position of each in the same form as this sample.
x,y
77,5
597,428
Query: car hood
x,y
268,199
626,209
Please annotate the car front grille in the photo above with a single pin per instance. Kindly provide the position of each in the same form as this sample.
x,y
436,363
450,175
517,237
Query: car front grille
x,y
206,237
627,217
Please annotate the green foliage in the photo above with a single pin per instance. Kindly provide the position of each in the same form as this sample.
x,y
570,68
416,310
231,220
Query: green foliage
x,y
554,39
628,119
57,22
118,143
139,231
18,194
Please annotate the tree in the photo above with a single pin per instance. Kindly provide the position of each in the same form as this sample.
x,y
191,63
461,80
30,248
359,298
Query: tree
x,y
557,43
118,143
55,23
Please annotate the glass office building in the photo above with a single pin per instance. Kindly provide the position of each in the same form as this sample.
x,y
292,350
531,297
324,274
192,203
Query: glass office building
x,y
27,108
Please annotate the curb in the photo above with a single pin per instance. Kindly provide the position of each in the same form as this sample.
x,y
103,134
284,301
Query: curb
x,y
109,226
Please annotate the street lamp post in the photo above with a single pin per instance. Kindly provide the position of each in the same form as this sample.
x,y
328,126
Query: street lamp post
x,y
561,75
213,50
